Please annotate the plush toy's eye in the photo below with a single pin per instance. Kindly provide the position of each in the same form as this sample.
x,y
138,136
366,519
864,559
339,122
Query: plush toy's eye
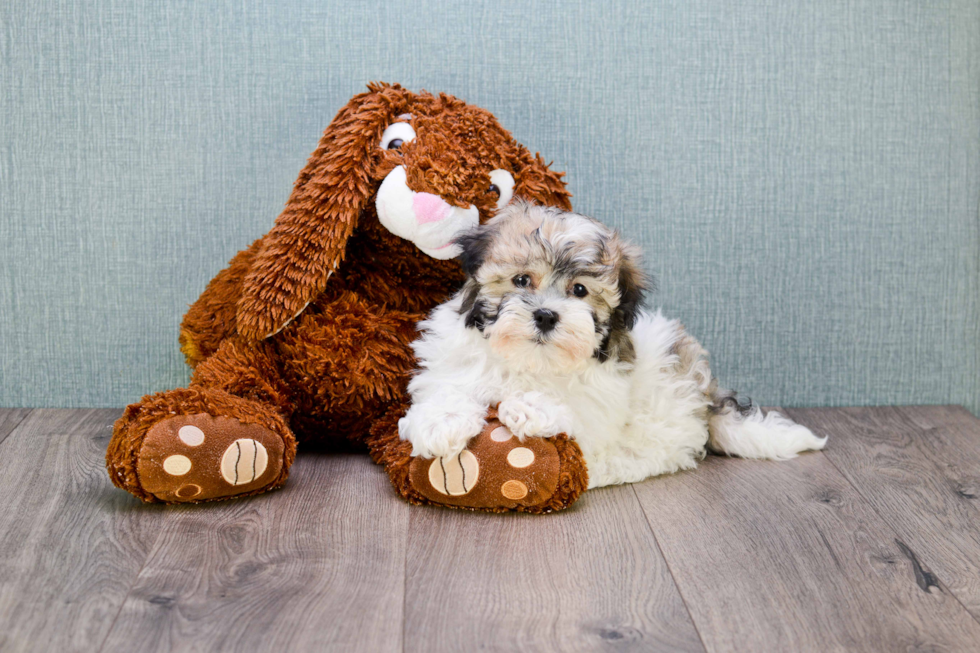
x,y
579,290
502,183
522,281
396,135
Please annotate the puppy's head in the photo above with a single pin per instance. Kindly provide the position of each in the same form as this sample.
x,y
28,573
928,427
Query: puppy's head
x,y
551,289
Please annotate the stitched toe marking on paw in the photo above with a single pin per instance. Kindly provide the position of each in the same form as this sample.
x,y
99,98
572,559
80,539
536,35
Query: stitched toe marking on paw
x,y
520,457
189,491
191,435
501,434
513,490
177,465
454,475
244,461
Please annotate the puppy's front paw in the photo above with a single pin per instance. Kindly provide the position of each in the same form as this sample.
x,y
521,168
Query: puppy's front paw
x,y
437,435
526,418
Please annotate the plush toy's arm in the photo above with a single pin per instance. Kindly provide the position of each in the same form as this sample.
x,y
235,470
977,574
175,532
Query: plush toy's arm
x,y
211,319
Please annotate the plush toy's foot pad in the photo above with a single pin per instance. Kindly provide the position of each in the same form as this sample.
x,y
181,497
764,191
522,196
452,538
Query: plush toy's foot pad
x,y
496,471
201,457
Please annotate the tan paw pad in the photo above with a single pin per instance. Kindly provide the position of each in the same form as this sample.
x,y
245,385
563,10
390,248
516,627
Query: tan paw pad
x,y
177,465
454,475
513,490
501,434
520,457
189,491
191,435
244,461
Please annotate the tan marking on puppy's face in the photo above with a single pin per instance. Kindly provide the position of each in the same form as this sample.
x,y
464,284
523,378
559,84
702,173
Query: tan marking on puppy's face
x,y
550,289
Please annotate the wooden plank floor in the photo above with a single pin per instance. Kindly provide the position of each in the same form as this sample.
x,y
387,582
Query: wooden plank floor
x,y
871,545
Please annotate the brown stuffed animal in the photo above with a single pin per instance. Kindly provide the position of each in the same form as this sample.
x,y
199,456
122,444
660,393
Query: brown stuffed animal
x,y
305,335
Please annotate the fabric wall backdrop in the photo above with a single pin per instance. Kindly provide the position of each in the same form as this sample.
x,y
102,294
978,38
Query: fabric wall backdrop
x,y
803,176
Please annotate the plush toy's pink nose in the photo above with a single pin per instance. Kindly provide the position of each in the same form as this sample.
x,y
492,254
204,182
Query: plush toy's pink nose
x,y
430,208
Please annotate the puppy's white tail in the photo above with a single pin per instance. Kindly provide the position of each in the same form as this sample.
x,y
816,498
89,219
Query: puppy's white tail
x,y
744,431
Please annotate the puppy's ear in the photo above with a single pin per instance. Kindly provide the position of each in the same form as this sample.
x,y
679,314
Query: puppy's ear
x,y
310,236
473,308
538,183
633,285
475,244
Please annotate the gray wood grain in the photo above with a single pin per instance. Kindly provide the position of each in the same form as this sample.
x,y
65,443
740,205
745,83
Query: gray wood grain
x,y
587,579
788,556
871,545
70,543
10,418
920,469
318,566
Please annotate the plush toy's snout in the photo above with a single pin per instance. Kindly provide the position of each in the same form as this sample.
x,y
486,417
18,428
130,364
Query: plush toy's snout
x,y
430,208
425,219
442,180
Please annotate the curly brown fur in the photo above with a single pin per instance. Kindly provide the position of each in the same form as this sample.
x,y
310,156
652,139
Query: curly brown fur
x,y
247,370
211,319
312,322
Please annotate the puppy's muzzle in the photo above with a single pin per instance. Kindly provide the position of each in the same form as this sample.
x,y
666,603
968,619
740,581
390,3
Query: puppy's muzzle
x,y
545,320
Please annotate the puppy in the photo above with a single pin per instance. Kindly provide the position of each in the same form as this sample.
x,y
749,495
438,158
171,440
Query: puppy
x,y
550,325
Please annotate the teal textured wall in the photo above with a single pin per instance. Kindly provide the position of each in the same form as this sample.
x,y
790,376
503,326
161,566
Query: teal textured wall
x,y
803,176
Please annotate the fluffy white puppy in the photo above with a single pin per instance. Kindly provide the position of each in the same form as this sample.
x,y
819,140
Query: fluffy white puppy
x,y
549,325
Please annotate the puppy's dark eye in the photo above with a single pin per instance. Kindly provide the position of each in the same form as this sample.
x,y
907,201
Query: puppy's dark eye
x,y
579,290
522,281
494,190
396,144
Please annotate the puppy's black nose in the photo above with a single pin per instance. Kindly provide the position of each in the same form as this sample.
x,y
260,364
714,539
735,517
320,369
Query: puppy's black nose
x,y
545,319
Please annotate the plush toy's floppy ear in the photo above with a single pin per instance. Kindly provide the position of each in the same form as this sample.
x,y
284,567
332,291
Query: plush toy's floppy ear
x,y
539,183
310,237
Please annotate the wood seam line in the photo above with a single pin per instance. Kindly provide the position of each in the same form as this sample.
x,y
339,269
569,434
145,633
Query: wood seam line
x,y
30,411
871,504
132,585
673,578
